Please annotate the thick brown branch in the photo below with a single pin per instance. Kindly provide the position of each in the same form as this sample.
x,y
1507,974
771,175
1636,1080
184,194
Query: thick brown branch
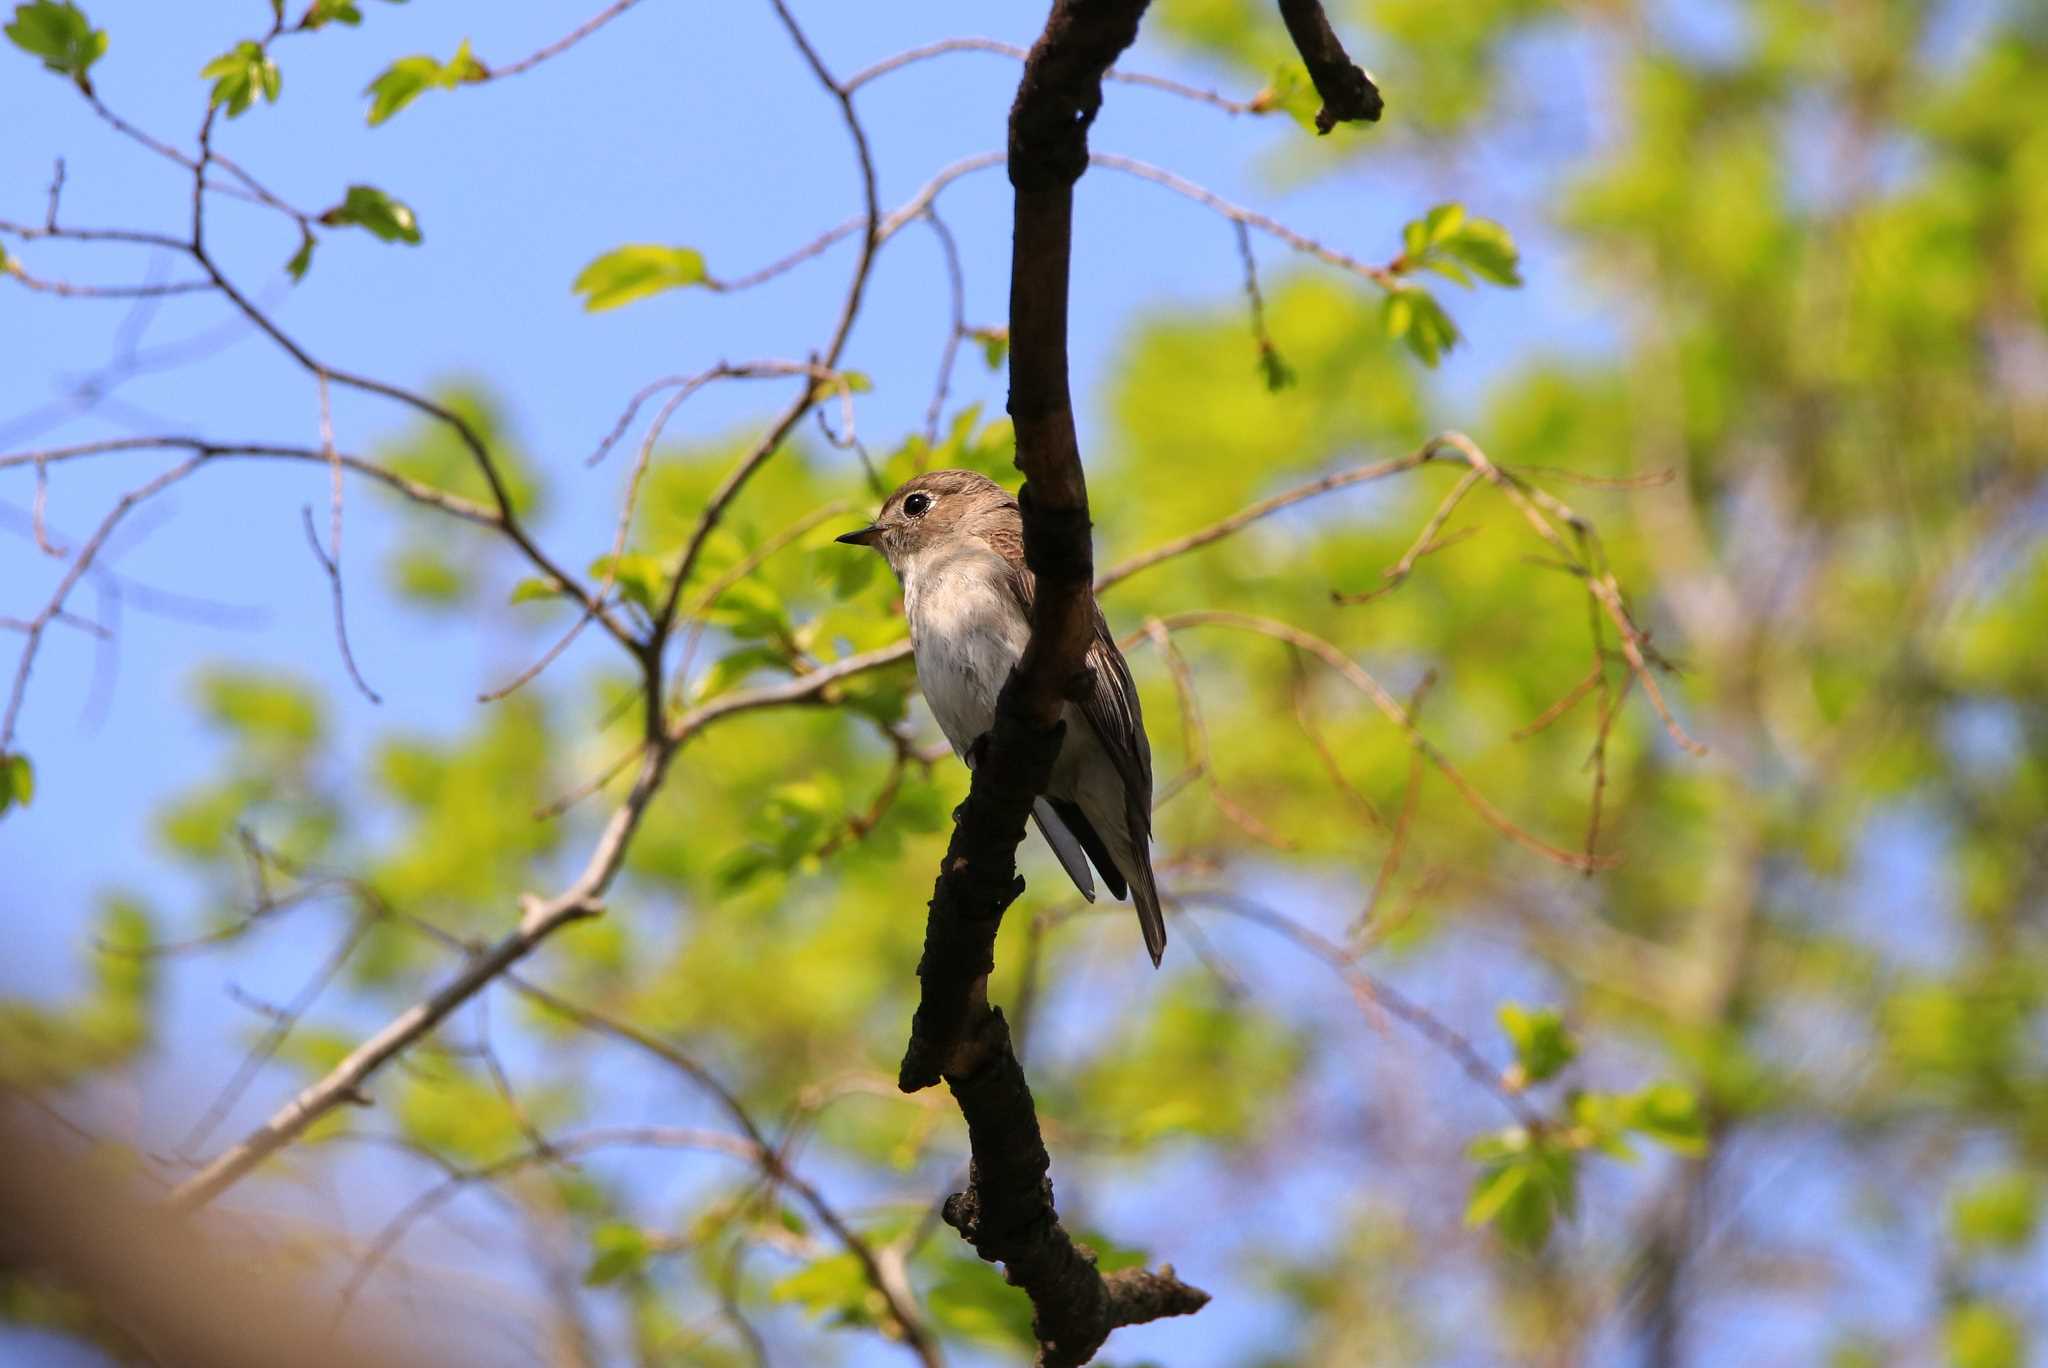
x,y
1007,1214
1349,96
1007,1211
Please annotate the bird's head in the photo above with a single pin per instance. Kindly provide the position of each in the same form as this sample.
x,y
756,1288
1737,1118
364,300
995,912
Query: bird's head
x,y
931,510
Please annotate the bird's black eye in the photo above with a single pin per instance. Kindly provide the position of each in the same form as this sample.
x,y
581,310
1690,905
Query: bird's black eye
x,y
917,505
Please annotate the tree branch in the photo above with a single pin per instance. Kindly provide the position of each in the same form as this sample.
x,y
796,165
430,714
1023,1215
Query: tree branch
x,y
1007,1211
1349,96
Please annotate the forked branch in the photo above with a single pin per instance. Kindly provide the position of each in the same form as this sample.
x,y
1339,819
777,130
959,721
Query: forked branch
x,y
1007,1212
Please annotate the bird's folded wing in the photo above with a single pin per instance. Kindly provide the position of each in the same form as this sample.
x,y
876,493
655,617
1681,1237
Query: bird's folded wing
x,y
1065,846
1110,703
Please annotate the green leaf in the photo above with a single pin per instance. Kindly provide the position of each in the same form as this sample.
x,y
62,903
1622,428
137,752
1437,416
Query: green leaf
x,y
1443,223
635,271
1413,316
302,260
406,79
1668,1113
1598,1120
969,1299
61,35
732,668
527,590
638,577
399,85
1398,313
1488,249
751,610
425,573
617,1251
365,206
1998,1213
995,345
324,12
847,575
1447,268
1542,1045
1290,92
239,75
17,781
1493,1190
1523,1188
833,1287
1982,1334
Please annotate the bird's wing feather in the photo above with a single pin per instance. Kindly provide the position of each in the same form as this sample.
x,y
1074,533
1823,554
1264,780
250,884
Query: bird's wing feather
x,y
1068,847
1110,703
1111,707
1092,842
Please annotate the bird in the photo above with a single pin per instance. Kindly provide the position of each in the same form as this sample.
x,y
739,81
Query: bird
x,y
955,539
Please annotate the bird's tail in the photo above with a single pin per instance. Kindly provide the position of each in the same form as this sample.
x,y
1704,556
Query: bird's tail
x,y
1145,896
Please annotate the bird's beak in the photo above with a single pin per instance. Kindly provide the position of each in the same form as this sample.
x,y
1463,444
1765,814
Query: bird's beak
x,y
865,537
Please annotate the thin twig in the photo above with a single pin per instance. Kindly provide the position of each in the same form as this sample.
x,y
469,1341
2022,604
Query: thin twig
x,y
1358,678
562,44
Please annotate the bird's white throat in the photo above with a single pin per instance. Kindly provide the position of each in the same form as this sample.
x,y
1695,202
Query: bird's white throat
x,y
967,629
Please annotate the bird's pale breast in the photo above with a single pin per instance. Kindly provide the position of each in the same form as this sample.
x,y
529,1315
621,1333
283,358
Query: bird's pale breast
x,y
967,630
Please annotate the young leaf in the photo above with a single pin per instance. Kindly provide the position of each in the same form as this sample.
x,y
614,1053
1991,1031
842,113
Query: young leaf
x,y
399,84
635,271
527,590
1982,1334
1489,250
750,610
1442,223
1669,1113
638,578
1523,1193
834,1286
365,206
406,79
239,75
1542,1045
846,575
995,345
17,781
617,1251
1413,316
2000,1212
1398,313
732,668
324,12
302,260
61,35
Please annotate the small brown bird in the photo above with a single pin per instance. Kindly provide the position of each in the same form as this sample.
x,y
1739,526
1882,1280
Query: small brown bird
x,y
956,541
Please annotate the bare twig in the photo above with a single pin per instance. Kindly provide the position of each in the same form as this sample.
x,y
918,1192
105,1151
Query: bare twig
x,y
1250,218
1425,543
1374,994
956,295
331,565
1391,708
1135,78
1195,739
564,43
